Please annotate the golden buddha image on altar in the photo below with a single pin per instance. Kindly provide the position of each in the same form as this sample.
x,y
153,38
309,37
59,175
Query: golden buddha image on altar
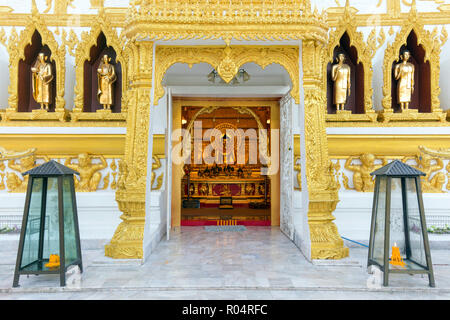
x,y
340,74
229,156
404,74
106,77
42,77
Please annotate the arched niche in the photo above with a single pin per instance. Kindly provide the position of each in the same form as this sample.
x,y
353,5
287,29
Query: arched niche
x,y
90,83
355,102
26,102
421,96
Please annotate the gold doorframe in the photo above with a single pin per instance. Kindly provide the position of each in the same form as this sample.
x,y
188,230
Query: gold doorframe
x,y
127,241
245,103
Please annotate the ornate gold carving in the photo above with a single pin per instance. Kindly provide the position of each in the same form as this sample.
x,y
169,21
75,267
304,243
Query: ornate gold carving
x,y
432,43
322,186
14,183
16,49
60,6
366,52
226,20
82,54
443,153
362,180
227,61
42,77
89,172
127,241
155,166
430,183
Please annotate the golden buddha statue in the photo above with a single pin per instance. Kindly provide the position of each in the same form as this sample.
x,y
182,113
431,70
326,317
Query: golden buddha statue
x,y
42,77
106,77
340,74
404,74
89,175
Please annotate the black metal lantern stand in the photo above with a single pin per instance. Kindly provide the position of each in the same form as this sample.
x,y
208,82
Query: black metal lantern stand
x,y
49,239
398,233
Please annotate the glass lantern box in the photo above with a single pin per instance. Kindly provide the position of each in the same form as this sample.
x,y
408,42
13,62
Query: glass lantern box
x,y
398,234
49,240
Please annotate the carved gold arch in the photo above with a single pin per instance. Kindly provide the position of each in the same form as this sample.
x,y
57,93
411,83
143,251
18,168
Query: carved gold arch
x,y
366,52
432,43
227,61
82,53
16,50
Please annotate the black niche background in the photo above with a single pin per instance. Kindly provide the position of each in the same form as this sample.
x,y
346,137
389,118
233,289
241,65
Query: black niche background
x,y
355,102
91,103
421,97
26,102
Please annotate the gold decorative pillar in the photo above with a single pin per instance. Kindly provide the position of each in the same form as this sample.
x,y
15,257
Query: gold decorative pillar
x,y
127,242
322,186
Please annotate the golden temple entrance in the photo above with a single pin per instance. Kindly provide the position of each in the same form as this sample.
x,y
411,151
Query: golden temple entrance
x,y
226,186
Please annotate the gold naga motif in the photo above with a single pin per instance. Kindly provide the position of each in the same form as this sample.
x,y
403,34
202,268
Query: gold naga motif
x,y
366,52
89,172
106,75
424,162
340,74
362,180
432,43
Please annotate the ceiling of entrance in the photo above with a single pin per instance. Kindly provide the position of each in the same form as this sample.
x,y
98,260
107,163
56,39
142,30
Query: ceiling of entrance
x,y
180,75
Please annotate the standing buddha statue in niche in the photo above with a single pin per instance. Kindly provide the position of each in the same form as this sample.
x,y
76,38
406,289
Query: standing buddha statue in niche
x,y
106,78
42,77
404,74
340,74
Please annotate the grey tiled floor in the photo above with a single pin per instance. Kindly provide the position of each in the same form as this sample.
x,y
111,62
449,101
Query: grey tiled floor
x,y
260,263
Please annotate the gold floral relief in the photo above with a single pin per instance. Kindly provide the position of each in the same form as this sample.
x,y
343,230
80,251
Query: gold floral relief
x,y
365,51
227,61
431,43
